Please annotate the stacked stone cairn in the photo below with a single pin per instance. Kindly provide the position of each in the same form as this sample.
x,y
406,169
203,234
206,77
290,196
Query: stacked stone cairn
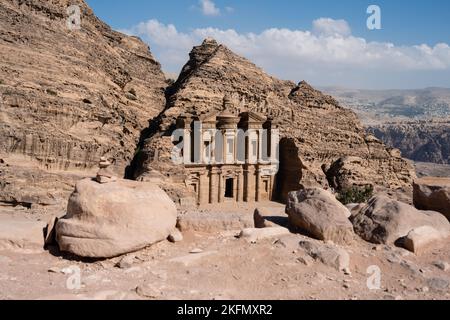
x,y
105,175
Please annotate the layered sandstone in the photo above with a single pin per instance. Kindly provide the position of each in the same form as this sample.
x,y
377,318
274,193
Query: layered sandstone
x,y
69,97
432,194
316,132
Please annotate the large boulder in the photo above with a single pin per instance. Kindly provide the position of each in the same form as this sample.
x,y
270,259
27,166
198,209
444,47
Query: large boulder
x,y
318,212
265,217
107,220
420,239
433,194
384,220
347,172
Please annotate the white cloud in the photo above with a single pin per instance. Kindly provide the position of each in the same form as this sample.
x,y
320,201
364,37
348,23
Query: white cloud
x,y
331,27
327,55
209,8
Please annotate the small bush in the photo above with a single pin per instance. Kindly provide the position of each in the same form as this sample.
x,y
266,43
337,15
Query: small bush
x,y
137,151
355,195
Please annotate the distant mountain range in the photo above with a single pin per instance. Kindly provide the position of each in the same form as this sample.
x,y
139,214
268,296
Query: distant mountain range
x,y
415,121
380,106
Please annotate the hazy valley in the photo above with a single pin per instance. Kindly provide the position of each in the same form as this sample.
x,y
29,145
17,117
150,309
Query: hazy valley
x,y
415,121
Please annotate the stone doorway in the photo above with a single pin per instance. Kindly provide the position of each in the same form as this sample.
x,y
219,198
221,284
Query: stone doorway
x,y
229,188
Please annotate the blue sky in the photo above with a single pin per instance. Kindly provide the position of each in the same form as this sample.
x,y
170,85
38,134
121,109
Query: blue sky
x,y
410,51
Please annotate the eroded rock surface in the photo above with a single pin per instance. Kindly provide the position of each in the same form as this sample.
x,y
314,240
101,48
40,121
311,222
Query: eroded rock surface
x,y
107,220
23,183
21,233
315,130
318,212
328,254
432,194
65,94
384,220
424,238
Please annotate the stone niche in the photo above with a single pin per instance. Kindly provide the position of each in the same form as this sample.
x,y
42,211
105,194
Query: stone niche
x,y
229,157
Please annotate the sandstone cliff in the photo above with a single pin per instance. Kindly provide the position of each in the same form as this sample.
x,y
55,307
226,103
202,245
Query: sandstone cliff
x,y
68,97
316,131
71,96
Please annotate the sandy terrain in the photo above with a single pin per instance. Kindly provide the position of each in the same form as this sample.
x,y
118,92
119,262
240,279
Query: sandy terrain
x,y
224,267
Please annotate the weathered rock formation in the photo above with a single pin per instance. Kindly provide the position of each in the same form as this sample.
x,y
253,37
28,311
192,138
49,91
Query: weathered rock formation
x,y
432,194
386,221
318,212
315,131
253,235
21,233
424,141
264,217
105,175
70,96
213,221
328,254
25,184
420,239
107,220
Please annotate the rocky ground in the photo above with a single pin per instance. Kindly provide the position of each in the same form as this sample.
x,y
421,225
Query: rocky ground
x,y
211,262
425,169
219,265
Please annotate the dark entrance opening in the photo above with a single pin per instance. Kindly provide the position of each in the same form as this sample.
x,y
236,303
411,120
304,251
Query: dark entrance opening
x,y
229,188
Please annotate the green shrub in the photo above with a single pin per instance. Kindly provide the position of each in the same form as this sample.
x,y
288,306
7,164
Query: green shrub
x,y
137,151
355,194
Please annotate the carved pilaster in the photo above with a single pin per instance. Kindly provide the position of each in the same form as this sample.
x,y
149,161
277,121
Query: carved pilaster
x,y
203,194
214,186
221,190
240,189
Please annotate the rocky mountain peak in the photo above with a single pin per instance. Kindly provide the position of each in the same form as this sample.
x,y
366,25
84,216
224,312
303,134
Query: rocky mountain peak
x,y
197,56
304,93
210,42
316,131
